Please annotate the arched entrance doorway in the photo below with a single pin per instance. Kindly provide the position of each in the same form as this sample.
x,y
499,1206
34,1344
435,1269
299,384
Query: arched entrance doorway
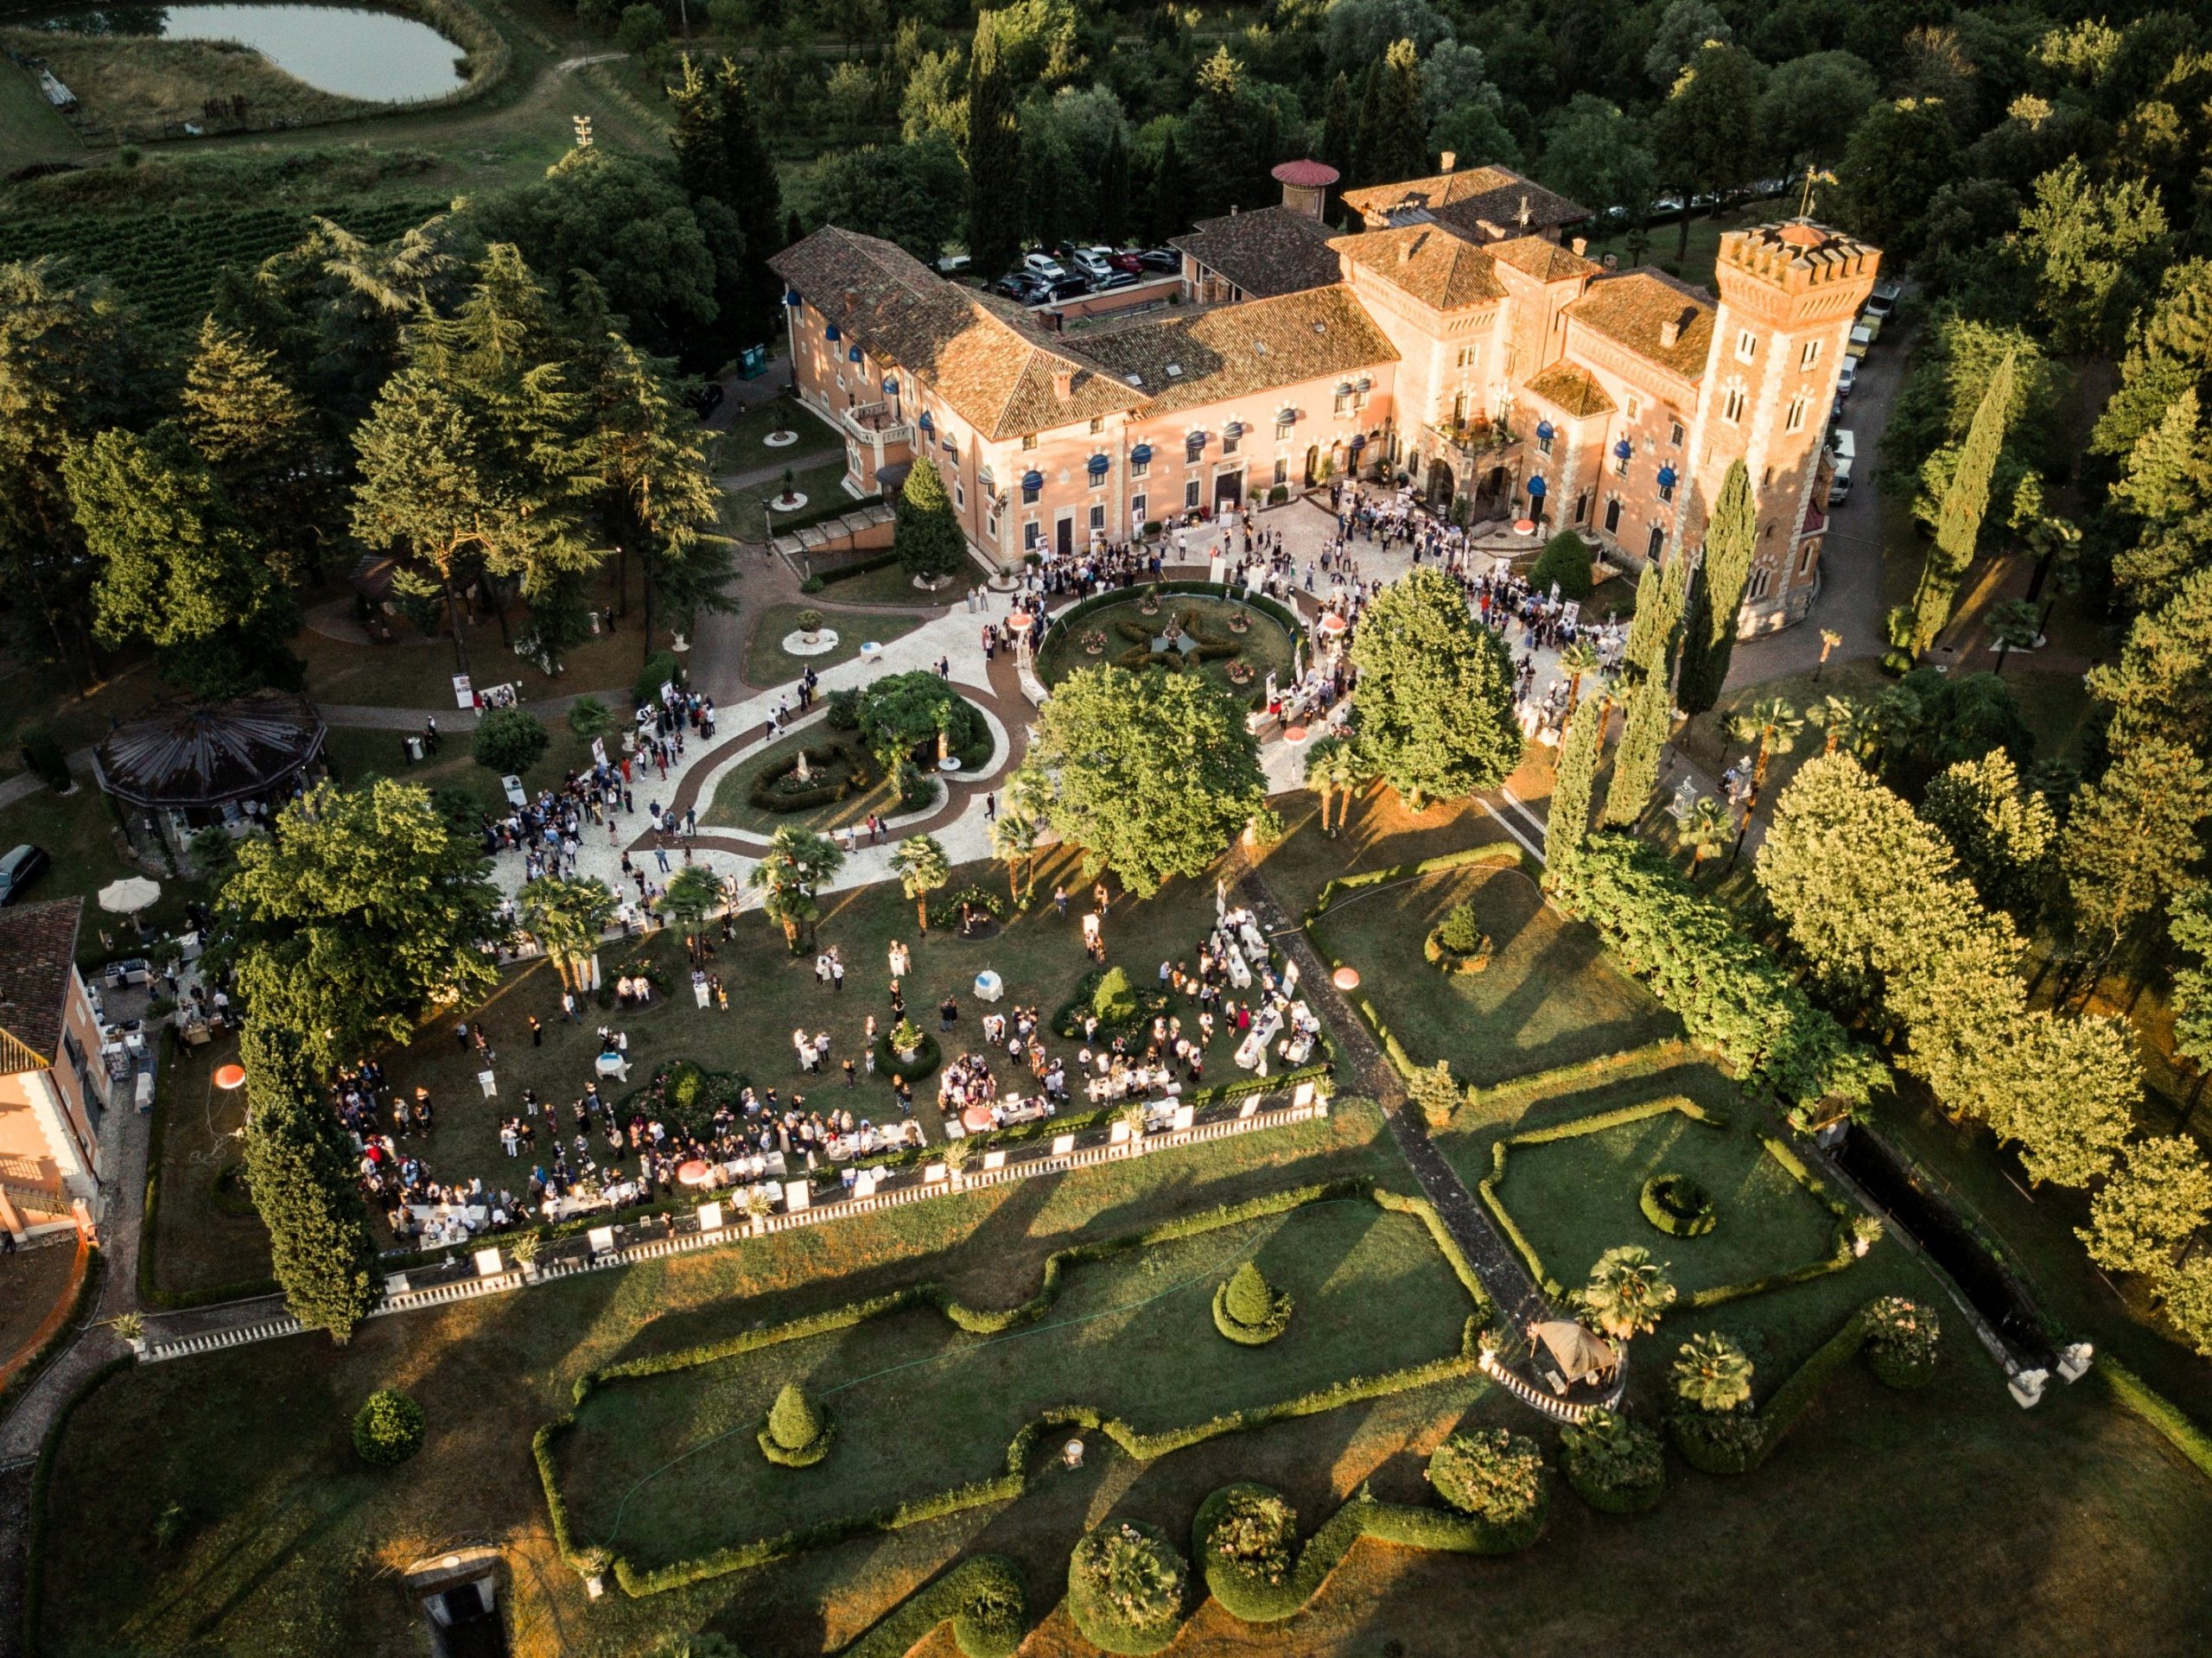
x,y
1312,465
1440,482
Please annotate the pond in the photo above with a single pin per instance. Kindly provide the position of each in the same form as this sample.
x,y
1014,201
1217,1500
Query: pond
x,y
378,56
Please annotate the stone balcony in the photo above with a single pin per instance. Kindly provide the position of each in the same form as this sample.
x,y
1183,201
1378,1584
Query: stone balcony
x,y
876,422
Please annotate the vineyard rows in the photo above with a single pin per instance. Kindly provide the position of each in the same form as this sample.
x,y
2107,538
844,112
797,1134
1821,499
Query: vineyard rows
x,y
166,264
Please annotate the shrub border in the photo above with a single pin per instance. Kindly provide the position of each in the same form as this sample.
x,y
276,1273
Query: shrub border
x,y
2139,1396
1665,1219
1100,1624
1003,1488
964,1595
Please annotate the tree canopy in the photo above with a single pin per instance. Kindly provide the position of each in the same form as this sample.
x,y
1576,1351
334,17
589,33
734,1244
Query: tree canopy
x,y
1436,704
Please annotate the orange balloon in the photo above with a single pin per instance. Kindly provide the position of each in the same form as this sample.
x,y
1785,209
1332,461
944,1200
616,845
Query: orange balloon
x,y
229,1077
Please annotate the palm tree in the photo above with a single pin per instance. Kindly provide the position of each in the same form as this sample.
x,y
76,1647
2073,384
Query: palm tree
x,y
797,863
1014,838
589,717
1579,660
2015,625
1771,726
1333,768
1712,1374
1848,721
567,918
922,868
1829,640
692,893
1627,1292
1706,831
794,910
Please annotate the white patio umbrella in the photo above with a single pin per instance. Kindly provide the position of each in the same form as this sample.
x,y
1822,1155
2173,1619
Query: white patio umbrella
x,y
130,895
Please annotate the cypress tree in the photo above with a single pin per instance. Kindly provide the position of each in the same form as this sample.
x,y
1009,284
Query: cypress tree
x,y
928,535
1731,538
993,151
1336,129
1365,127
1966,502
1636,759
1567,820
792,1419
1399,146
1250,1299
301,1170
1114,191
750,318
1168,188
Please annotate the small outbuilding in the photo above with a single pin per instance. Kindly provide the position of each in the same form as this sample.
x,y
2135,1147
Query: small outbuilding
x,y
186,765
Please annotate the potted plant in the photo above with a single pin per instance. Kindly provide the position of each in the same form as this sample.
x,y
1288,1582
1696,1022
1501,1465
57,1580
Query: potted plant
x,y
906,1040
759,1205
958,1153
1866,1233
789,498
130,1330
591,1563
810,627
524,1249
1094,643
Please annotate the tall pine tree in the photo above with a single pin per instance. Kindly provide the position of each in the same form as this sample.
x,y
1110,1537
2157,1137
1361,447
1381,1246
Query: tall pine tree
x,y
1966,503
723,164
1338,131
1731,538
258,435
994,151
1398,147
1566,821
1114,190
302,1172
928,537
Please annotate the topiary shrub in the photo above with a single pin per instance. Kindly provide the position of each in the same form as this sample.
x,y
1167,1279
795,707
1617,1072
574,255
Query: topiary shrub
x,y
809,621
1248,1309
927,1054
1126,1585
1496,1476
1903,1340
1457,944
1245,1539
1614,1464
1115,999
843,709
1566,560
388,1428
1719,1442
798,1432
661,668
1677,1206
1436,1094
510,739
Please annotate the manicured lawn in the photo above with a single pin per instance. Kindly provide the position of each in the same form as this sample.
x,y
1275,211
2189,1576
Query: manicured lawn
x,y
356,753
1130,634
737,448
1549,997
766,662
1038,956
78,832
206,1237
891,585
732,806
746,514
921,1406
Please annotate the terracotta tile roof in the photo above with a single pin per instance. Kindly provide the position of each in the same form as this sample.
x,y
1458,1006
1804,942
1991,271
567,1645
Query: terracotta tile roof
x,y
1236,350
1631,307
1572,389
982,357
1497,195
1434,263
1270,252
38,949
1546,261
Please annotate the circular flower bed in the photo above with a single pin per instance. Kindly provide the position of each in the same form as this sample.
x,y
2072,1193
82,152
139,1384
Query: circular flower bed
x,y
927,1057
1240,622
1094,643
1497,1477
1614,1464
798,1432
1241,672
1903,1339
1248,1309
1457,944
1126,1587
1677,1206
388,1428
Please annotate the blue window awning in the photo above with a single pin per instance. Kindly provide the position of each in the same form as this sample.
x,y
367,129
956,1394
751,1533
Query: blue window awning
x,y
852,353
1232,429
1032,481
1142,453
1360,439
925,423
1667,478
1623,448
1546,431
1099,465
1536,488
890,385
831,333
1286,416
791,297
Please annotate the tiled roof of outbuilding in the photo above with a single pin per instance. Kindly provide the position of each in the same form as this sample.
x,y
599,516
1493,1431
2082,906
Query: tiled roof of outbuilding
x,y
1434,263
1236,350
1495,196
1269,251
1631,308
984,358
38,950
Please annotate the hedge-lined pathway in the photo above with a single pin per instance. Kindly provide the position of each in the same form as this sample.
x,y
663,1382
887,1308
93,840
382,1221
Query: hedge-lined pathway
x,y
1509,1286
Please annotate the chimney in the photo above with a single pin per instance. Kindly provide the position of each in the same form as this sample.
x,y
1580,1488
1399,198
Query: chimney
x,y
1448,161
852,301
1525,214
1671,332
1581,247
1063,384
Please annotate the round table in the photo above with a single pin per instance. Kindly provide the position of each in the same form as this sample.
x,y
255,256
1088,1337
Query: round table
x,y
609,1064
950,763
978,1120
989,986
692,1171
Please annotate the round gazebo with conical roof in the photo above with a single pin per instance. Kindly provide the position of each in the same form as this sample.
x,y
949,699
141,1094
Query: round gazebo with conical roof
x,y
191,763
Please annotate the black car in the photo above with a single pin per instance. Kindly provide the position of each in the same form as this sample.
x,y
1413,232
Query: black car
x,y
705,399
19,869
1165,260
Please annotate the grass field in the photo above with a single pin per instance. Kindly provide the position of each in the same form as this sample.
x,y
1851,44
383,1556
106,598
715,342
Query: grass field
x,y
1266,649
921,1406
746,514
31,130
732,806
140,83
78,832
206,1236
1549,996
893,585
355,753
737,448
766,662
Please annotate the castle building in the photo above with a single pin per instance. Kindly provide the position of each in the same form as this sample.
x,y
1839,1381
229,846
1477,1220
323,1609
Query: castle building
x,y
1454,336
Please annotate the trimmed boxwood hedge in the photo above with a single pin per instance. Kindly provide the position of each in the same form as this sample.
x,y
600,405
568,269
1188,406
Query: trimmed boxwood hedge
x,y
1614,1464
1496,1478
1677,1206
1248,1311
388,1428
1136,1442
984,1599
1094,1604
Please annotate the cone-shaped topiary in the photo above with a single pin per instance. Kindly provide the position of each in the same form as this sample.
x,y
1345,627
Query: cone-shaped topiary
x,y
1247,1310
799,1431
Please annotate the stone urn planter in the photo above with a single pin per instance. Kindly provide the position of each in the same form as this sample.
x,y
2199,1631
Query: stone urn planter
x,y
810,627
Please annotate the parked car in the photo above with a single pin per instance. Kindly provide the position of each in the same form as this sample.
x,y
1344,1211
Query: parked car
x,y
1843,445
952,264
705,397
1065,288
1044,267
19,869
1883,301
1861,341
1164,260
1127,259
1845,377
1016,286
1118,279
1094,263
